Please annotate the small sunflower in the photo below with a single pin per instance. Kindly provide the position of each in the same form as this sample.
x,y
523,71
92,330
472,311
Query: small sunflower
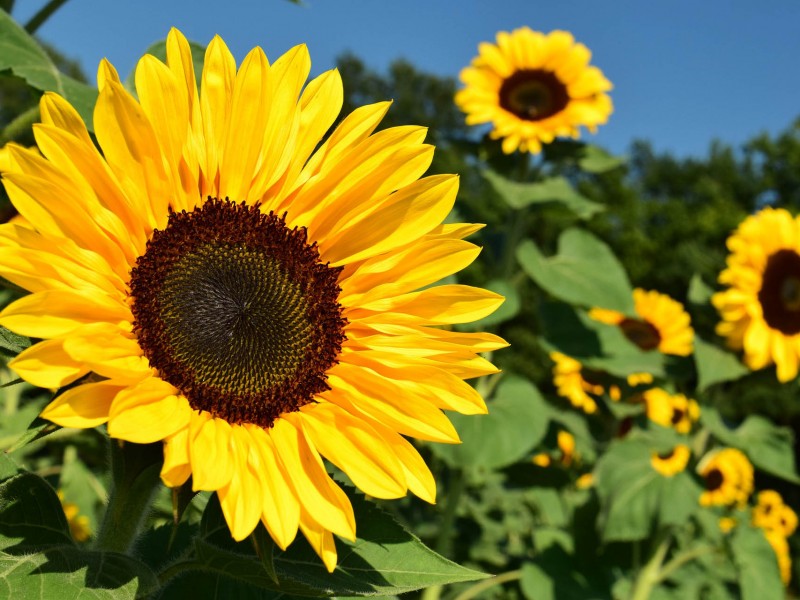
x,y
672,462
252,294
728,478
79,525
534,87
727,524
663,323
771,513
671,410
781,548
575,383
760,310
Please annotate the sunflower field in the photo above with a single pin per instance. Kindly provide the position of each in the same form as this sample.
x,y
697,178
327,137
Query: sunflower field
x,y
267,335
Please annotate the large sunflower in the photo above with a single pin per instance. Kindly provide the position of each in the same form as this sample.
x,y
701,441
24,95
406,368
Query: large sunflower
x,y
761,309
534,87
244,291
663,323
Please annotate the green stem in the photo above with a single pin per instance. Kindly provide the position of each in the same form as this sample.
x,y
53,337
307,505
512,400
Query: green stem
x,y
650,574
177,568
479,587
20,125
135,470
681,559
44,13
457,485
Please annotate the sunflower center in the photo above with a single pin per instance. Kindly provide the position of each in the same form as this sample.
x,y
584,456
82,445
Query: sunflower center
x,y
714,479
677,415
533,94
666,455
237,311
780,292
641,333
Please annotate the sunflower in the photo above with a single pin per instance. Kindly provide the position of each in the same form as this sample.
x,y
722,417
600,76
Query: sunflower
x,y
79,525
728,478
760,310
663,323
534,87
781,548
771,513
672,462
671,410
575,383
249,294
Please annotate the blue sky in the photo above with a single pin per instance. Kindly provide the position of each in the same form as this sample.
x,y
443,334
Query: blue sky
x,y
685,72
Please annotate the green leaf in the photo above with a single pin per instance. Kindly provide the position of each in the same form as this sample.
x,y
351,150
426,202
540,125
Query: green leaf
x,y
517,421
31,516
769,447
759,576
159,50
66,573
597,160
554,189
715,365
38,429
507,311
634,496
699,292
556,575
384,560
22,55
585,272
11,343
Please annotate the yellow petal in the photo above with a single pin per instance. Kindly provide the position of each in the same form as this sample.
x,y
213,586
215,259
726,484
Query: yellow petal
x,y
177,468
320,539
315,489
84,406
147,412
280,511
356,448
47,365
57,312
241,498
210,450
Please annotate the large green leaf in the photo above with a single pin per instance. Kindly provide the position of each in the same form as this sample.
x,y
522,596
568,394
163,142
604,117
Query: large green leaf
x,y
557,575
715,365
634,496
584,272
22,55
759,576
597,160
552,190
31,516
517,421
384,560
38,559
769,447
66,573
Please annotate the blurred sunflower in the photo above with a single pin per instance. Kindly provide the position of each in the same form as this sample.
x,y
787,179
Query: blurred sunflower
x,y
575,383
663,323
672,462
671,410
79,525
771,513
246,293
781,548
534,87
728,478
760,310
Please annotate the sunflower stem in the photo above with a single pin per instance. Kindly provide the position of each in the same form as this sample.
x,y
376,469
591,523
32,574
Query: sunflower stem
x,y
479,587
135,471
20,125
44,13
650,575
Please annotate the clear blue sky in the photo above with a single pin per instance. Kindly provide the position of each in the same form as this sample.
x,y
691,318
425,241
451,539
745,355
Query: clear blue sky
x,y
684,71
